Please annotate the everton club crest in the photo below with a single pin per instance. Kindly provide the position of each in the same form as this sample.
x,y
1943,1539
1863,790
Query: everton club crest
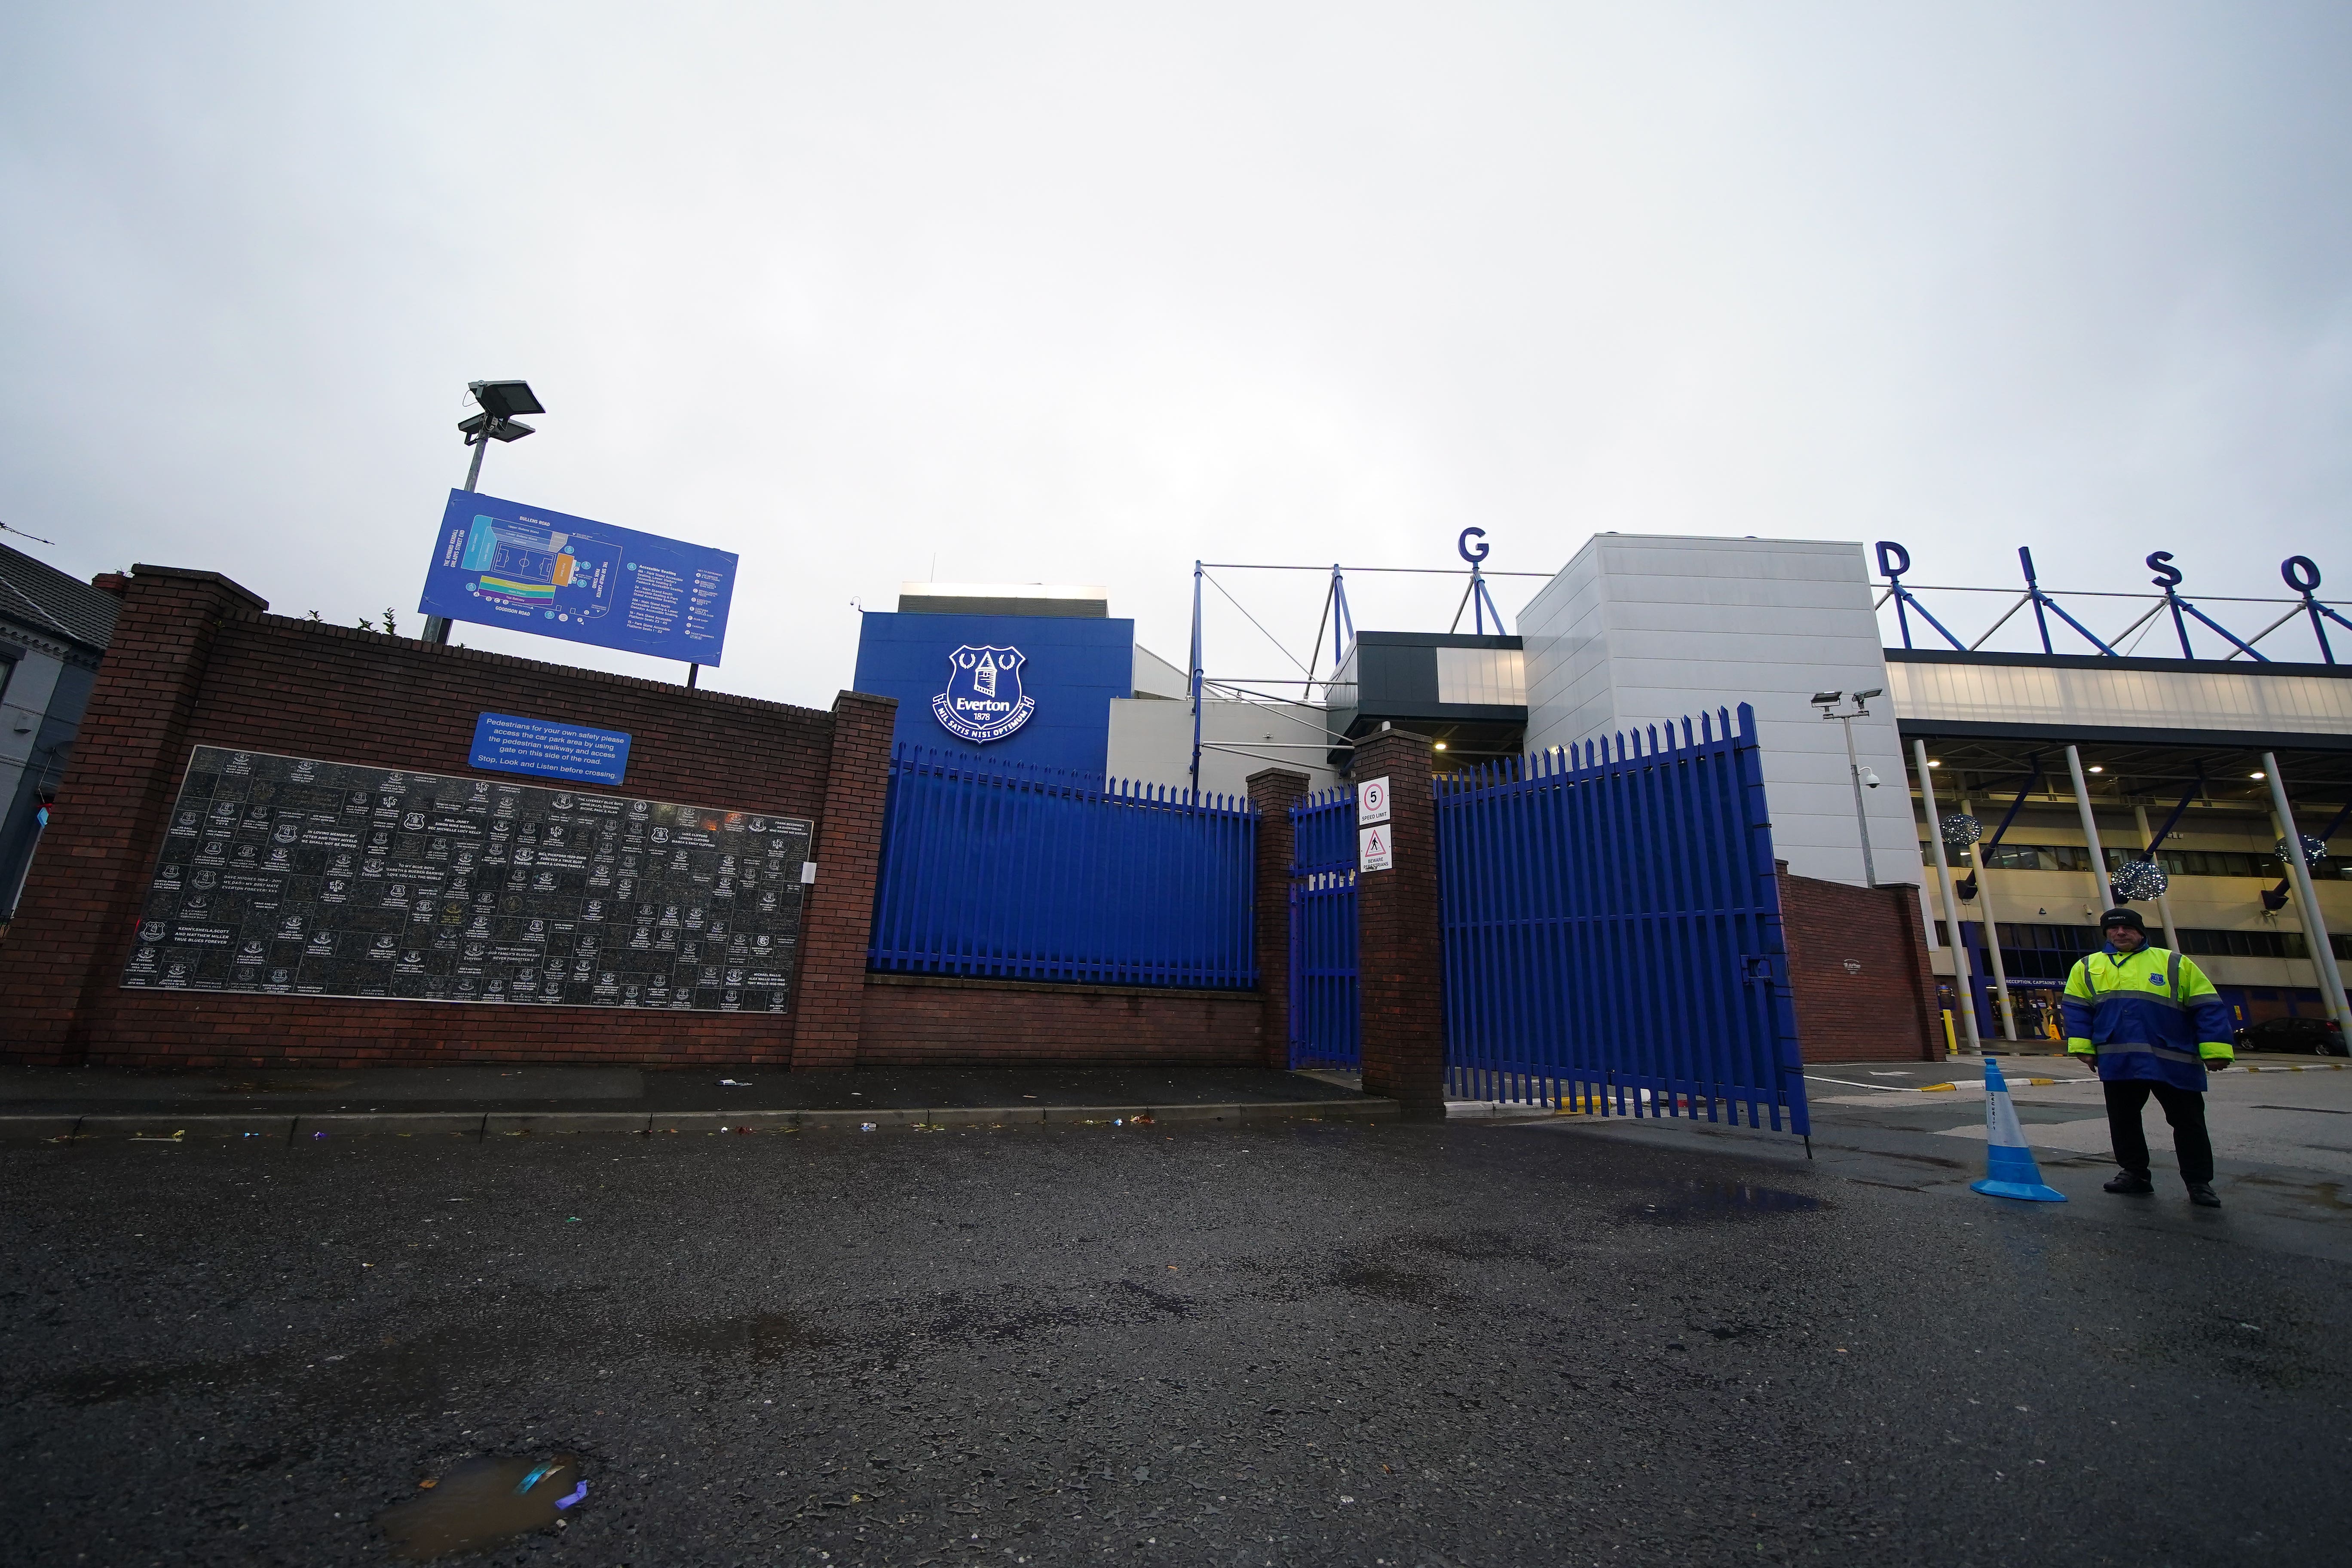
x,y
984,700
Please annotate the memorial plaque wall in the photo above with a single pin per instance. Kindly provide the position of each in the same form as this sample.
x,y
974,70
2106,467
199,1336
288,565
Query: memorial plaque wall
x,y
285,876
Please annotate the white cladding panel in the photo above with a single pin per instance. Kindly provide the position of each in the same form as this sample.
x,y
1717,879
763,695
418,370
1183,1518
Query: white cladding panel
x,y
1155,677
1646,629
1151,741
2221,698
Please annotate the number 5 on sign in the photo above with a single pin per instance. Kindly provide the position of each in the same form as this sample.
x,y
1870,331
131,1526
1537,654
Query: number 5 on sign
x,y
1373,850
1372,802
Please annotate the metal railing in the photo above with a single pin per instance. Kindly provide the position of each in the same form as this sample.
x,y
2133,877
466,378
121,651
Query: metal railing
x,y
998,870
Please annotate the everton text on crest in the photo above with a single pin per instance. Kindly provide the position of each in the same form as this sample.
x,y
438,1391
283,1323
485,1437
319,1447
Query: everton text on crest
x,y
984,700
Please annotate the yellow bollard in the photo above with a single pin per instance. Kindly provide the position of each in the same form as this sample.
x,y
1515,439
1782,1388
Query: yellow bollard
x,y
1951,1042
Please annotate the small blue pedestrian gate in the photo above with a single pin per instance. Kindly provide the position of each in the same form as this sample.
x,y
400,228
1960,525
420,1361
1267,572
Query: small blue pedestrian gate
x,y
1325,1030
1612,937
1020,872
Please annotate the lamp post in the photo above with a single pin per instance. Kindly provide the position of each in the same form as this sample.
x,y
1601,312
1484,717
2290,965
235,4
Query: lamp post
x,y
499,402
1863,778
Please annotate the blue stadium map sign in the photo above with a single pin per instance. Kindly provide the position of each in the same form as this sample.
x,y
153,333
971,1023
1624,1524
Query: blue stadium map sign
x,y
504,563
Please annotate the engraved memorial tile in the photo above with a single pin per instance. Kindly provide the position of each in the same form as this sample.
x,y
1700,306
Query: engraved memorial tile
x,y
289,876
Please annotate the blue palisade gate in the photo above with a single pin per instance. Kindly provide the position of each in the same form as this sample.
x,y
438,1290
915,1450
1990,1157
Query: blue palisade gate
x,y
1612,936
1326,1027
1019,872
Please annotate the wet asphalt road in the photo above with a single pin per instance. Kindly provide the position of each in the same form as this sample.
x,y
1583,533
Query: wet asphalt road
x,y
1310,1342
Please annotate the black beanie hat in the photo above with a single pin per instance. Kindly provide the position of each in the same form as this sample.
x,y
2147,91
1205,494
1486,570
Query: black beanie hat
x,y
2123,918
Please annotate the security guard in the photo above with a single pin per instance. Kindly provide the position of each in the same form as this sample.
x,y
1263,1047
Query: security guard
x,y
2155,1024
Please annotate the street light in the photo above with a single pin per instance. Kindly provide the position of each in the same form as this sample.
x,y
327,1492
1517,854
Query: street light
x,y
1827,702
499,402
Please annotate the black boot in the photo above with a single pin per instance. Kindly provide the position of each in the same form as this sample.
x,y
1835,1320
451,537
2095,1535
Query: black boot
x,y
2133,1182
2203,1194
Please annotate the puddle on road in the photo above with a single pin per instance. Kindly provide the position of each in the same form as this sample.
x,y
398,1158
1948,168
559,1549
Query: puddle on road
x,y
1697,1202
764,1339
481,1502
2319,1194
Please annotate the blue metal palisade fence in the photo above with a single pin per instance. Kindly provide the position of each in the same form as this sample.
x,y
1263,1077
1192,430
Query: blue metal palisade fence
x,y
1026,873
1325,1025
1612,930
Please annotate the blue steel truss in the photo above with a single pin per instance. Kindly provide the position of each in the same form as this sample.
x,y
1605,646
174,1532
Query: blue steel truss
x,y
1612,937
1029,873
1324,1028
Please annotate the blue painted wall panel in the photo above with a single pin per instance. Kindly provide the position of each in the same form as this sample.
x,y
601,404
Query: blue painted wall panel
x,y
1071,668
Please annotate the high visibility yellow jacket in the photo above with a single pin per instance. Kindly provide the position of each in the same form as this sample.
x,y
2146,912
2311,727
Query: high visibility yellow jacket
x,y
2147,1014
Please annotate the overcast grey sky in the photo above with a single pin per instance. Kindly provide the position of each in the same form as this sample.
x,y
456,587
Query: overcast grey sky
x,y
1081,293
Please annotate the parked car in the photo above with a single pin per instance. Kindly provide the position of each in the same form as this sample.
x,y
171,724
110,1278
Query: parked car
x,y
2298,1036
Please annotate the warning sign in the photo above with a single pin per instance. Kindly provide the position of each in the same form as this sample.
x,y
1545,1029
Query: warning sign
x,y
1371,801
1372,849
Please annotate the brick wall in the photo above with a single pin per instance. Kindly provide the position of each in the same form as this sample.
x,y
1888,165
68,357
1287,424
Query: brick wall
x,y
89,882
918,1020
1399,944
1273,791
840,917
196,661
1858,964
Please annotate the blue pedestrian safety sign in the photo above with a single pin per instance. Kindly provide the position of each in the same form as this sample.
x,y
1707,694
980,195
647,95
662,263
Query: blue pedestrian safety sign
x,y
510,745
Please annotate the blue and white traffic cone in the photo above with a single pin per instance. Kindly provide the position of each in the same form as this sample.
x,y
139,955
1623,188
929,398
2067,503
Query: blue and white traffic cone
x,y
2009,1170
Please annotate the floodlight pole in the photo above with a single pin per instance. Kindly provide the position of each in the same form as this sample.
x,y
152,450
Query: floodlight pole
x,y
1196,683
437,627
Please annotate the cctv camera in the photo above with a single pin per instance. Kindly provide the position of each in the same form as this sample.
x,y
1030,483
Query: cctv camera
x,y
1869,778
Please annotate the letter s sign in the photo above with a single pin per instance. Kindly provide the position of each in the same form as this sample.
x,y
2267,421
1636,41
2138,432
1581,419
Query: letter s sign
x,y
2167,574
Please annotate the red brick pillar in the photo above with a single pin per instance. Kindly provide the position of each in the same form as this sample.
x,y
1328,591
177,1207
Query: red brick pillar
x,y
838,921
1273,791
1904,906
80,909
1398,955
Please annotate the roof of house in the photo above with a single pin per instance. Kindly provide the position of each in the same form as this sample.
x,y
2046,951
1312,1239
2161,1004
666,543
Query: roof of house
x,y
37,596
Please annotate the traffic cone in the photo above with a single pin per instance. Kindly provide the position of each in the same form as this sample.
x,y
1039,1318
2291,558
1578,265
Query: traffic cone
x,y
2009,1170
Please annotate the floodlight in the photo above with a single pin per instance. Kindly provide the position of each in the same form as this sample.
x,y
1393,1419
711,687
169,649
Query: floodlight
x,y
500,428
1866,696
1827,698
505,399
